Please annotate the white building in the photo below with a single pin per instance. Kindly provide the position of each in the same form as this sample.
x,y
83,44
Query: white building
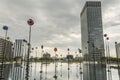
x,y
20,48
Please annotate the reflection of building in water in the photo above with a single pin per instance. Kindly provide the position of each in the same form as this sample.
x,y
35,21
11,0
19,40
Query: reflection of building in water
x,y
94,72
16,72
6,71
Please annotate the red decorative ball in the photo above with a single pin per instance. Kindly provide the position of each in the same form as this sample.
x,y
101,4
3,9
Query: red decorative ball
x,y
30,22
55,49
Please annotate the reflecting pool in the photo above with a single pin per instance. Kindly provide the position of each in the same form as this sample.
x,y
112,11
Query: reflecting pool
x,y
76,71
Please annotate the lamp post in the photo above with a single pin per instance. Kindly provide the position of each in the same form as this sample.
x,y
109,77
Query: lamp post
x,y
68,62
105,35
108,52
3,54
108,56
30,23
68,57
41,62
55,76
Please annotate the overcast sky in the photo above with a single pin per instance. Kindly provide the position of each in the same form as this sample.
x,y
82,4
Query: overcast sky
x,y
57,22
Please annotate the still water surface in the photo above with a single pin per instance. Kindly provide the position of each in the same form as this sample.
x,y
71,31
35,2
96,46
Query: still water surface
x,y
17,72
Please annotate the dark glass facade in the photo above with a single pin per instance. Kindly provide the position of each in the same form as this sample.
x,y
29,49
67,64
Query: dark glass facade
x,y
92,31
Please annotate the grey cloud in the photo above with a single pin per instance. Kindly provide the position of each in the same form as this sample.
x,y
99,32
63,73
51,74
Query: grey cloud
x,y
53,18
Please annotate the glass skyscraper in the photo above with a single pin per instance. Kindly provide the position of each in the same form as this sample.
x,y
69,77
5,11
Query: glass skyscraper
x,y
92,31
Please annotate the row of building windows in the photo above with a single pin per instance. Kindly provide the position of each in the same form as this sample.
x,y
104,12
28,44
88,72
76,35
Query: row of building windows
x,y
93,4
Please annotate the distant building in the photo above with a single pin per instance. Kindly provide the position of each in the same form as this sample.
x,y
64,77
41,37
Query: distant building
x,y
20,48
6,48
77,58
117,45
46,55
69,56
92,30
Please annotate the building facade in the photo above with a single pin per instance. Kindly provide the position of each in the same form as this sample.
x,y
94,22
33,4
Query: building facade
x,y
92,31
117,46
47,55
6,48
20,48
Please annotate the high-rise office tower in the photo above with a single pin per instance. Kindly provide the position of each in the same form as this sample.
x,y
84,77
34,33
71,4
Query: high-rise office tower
x,y
92,31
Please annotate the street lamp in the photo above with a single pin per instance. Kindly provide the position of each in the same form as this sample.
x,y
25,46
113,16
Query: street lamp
x,y
68,62
41,62
3,54
41,57
107,50
68,57
30,23
108,55
105,36
55,76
